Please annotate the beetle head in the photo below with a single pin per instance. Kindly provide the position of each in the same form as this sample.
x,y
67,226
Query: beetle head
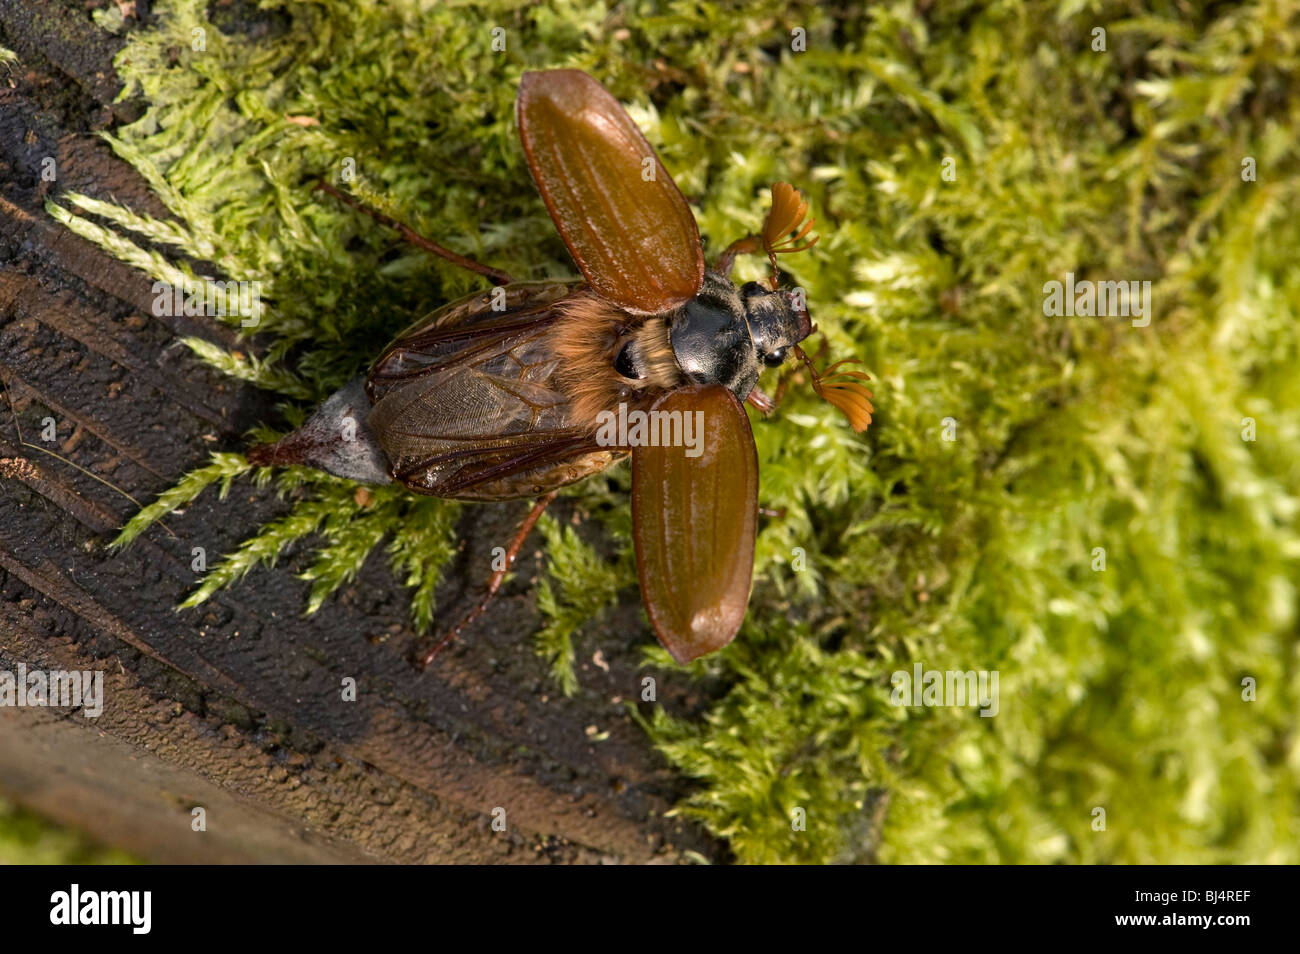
x,y
776,322
725,335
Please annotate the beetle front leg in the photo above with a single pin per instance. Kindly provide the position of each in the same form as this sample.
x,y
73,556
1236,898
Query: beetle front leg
x,y
494,275
422,661
742,246
760,402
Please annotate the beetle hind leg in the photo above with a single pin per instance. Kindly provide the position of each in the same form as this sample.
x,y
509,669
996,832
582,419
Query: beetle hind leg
x,y
423,660
494,275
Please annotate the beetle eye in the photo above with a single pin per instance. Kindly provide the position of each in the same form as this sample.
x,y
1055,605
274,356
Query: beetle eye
x,y
774,359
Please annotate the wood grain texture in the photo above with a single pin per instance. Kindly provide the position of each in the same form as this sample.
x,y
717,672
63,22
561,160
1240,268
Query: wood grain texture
x,y
237,707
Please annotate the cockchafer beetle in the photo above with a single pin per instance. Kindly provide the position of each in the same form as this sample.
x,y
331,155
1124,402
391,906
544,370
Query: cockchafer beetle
x,y
504,394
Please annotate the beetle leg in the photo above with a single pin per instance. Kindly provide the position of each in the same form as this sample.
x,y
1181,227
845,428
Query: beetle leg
x,y
782,384
495,275
742,246
494,584
760,401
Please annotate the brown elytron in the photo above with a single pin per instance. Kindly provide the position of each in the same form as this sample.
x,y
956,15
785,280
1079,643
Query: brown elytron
x,y
625,222
695,558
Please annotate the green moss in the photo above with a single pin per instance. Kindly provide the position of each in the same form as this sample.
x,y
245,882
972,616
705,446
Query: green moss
x,y
28,839
1120,688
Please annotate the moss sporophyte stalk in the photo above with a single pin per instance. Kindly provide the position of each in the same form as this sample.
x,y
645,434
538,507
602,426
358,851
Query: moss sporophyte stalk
x,y
958,161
